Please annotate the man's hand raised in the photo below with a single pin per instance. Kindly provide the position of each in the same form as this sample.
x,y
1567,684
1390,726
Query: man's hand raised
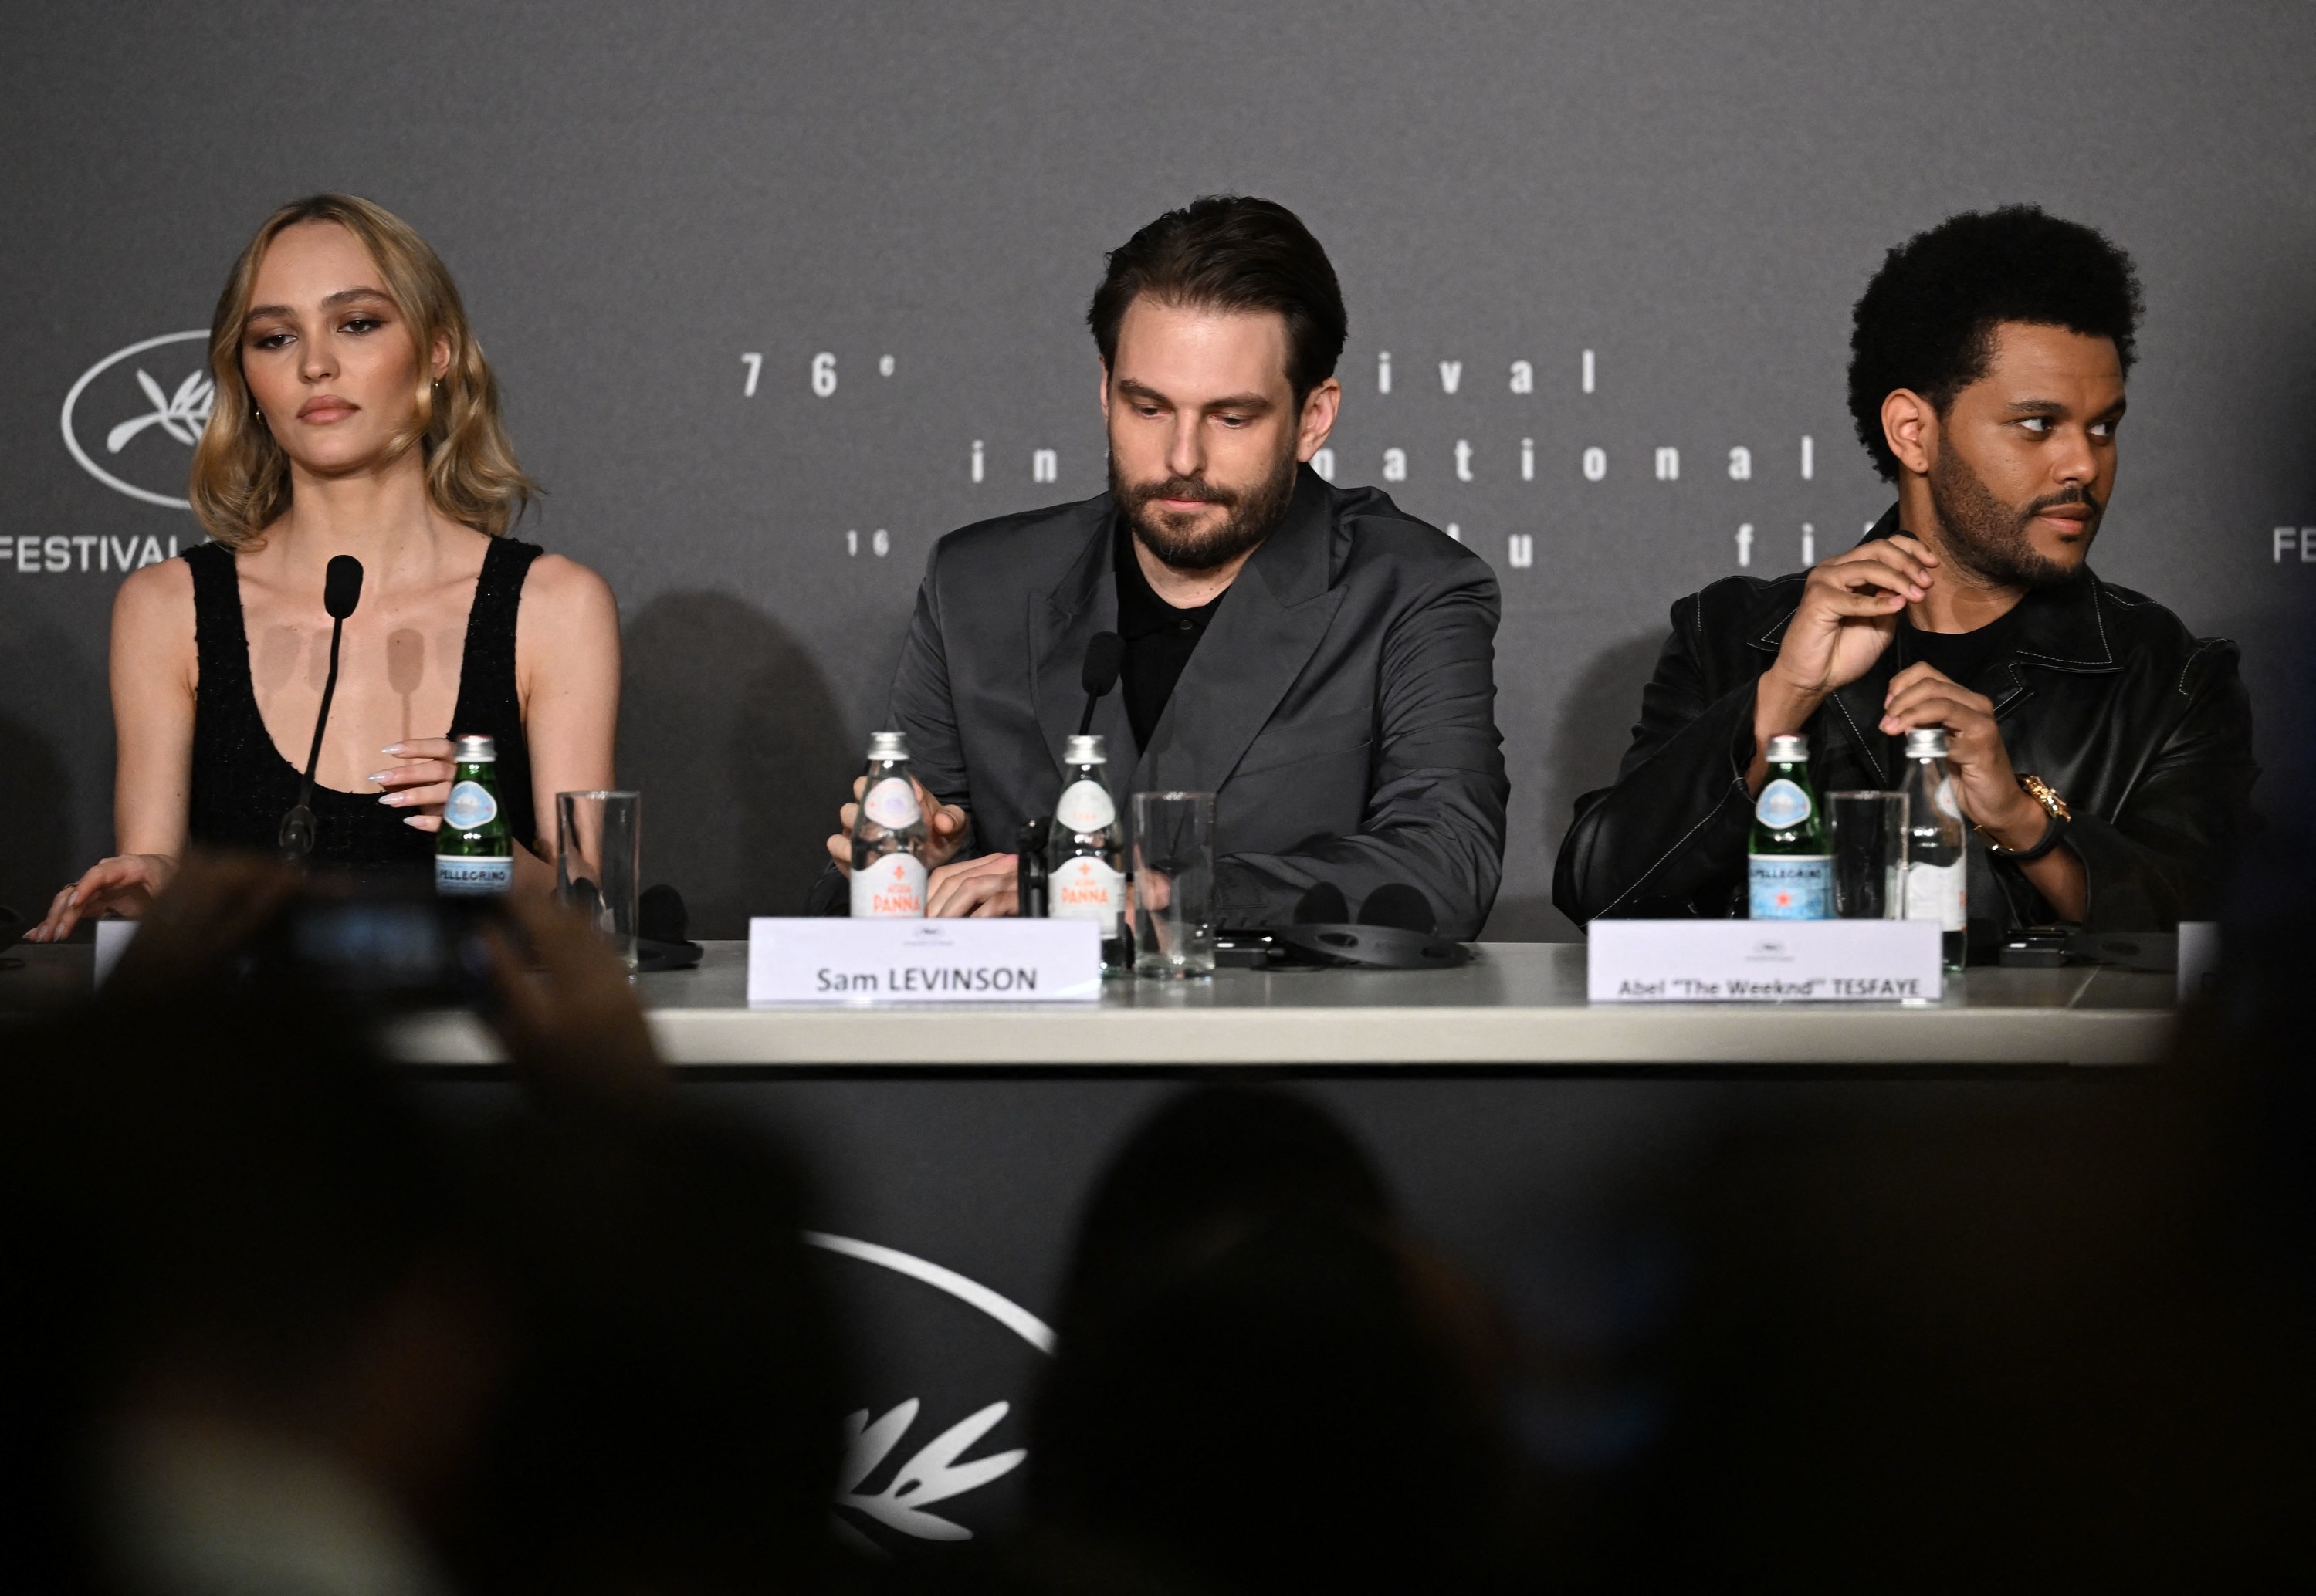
x,y
945,823
1848,614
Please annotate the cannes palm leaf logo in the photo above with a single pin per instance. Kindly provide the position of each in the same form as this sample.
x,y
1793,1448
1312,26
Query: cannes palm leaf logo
x,y
182,414
933,1475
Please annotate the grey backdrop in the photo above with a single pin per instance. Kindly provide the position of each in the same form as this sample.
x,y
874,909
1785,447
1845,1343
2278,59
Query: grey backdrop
x,y
635,200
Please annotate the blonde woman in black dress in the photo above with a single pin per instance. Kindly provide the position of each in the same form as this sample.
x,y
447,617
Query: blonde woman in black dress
x,y
354,415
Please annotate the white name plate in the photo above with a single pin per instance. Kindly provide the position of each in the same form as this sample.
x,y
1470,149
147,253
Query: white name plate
x,y
1763,962
865,961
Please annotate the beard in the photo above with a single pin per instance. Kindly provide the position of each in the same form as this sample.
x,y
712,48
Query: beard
x,y
1253,514
1989,538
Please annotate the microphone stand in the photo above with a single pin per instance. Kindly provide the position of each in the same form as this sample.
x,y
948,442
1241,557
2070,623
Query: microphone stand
x,y
340,594
297,838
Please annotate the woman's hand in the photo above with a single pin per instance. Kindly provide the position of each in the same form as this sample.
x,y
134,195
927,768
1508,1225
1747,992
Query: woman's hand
x,y
126,884
419,785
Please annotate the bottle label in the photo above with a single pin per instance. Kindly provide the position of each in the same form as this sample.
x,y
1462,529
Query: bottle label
x,y
1783,805
892,889
1937,893
1086,889
470,808
1791,887
1086,806
473,878
892,803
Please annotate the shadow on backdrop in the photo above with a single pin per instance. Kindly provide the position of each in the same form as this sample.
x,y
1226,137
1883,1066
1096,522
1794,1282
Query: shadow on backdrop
x,y
728,727
1594,729
34,795
38,849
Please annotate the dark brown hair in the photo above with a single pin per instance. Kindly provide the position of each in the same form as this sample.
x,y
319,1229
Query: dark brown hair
x,y
1227,251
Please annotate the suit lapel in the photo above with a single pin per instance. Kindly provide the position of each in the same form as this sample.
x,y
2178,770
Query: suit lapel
x,y
1258,641
1060,624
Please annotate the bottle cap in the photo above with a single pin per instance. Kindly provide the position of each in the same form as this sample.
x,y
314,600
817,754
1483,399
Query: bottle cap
x,y
1789,748
477,751
1085,750
1927,743
888,745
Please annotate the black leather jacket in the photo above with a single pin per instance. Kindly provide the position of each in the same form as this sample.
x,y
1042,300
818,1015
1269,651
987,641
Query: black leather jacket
x,y
2143,729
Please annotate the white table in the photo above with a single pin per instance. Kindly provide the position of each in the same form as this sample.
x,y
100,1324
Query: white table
x,y
1516,1004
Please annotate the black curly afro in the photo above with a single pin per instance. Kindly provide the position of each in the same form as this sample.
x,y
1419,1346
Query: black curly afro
x,y
1926,321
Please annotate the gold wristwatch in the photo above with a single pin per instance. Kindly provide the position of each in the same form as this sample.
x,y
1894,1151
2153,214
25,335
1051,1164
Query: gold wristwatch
x,y
2054,806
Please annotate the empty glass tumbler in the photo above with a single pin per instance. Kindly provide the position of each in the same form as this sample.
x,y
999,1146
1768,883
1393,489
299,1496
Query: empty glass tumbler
x,y
599,861
1869,855
1174,884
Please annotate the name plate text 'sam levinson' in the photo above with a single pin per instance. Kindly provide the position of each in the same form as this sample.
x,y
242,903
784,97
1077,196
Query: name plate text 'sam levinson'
x,y
911,960
1764,961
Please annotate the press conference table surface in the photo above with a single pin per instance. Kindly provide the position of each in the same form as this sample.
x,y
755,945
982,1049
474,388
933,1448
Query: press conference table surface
x,y
1515,1004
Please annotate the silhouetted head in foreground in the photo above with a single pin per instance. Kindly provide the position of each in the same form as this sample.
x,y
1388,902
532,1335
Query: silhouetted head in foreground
x,y
671,1424
253,1334
1256,1388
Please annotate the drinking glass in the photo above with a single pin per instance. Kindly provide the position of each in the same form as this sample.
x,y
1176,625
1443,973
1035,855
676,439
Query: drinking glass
x,y
599,861
1174,884
1869,855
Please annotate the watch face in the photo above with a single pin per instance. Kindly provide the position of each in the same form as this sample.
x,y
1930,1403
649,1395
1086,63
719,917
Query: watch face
x,y
2041,792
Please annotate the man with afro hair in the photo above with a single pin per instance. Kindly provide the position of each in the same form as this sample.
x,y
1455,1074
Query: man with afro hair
x,y
2100,753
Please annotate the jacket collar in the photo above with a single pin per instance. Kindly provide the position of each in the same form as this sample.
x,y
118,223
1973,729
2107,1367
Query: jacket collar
x,y
1263,634
1061,622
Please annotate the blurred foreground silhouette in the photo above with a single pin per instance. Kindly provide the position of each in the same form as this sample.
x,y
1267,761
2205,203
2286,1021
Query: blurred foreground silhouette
x,y
276,1326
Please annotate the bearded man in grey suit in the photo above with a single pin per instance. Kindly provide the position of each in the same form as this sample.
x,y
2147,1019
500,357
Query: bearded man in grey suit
x,y
1318,660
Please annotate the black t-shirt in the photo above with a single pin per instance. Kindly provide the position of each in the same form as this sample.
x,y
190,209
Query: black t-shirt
x,y
1959,656
1159,640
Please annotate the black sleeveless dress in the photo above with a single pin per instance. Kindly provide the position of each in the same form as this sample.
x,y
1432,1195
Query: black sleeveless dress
x,y
241,783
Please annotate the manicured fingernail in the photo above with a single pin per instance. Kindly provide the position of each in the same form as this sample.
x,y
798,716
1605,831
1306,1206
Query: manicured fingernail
x,y
391,748
390,798
412,821
376,777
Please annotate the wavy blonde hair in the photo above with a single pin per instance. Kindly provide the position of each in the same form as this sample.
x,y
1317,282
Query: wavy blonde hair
x,y
241,476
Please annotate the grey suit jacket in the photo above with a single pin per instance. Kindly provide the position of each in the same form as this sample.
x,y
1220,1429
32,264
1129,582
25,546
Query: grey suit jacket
x,y
1341,706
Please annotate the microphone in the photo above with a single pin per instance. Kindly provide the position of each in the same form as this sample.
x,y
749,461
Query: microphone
x,y
1032,883
1105,656
342,585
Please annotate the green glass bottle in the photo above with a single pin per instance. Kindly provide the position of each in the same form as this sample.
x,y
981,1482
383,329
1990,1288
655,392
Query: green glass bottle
x,y
474,852
1790,860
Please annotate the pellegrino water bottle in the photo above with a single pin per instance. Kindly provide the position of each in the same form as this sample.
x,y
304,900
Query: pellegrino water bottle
x,y
474,852
1083,852
1791,874
888,836
1937,849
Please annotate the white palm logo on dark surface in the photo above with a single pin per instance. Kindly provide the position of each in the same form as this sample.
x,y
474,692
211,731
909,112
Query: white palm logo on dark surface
x,y
933,1475
182,415
154,472
938,1471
